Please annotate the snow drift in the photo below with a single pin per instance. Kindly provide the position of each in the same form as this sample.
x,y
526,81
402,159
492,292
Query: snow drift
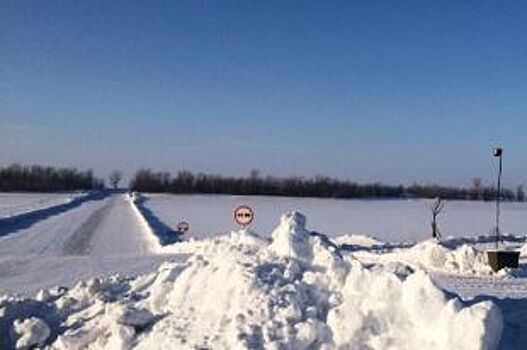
x,y
433,256
243,291
430,255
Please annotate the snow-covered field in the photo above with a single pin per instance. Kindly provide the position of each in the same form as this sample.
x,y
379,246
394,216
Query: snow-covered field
x,y
340,277
12,204
388,220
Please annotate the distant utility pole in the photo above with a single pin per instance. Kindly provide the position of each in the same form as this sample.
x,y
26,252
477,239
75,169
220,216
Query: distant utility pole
x,y
498,153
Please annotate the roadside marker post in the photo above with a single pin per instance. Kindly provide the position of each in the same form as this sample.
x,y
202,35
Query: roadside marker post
x,y
243,215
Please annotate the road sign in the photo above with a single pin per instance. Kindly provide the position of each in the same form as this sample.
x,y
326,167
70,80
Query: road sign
x,y
243,215
183,227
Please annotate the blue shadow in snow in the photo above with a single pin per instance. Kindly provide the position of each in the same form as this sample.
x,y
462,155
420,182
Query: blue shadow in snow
x,y
514,313
453,243
23,221
164,233
384,247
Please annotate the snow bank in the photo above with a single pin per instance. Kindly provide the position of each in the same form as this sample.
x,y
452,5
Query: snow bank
x,y
358,240
15,204
242,291
158,233
379,311
149,232
30,332
523,251
431,255
26,323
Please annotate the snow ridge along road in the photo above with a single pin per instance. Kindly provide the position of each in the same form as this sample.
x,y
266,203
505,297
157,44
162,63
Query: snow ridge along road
x,y
99,237
19,203
12,224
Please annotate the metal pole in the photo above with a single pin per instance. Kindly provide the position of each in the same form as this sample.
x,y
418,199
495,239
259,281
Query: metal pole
x,y
498,199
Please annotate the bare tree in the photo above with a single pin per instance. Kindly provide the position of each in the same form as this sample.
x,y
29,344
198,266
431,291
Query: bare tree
x,y
114,178
436,209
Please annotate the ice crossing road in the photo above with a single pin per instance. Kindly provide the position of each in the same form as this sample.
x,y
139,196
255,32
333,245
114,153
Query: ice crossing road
x,y
98,238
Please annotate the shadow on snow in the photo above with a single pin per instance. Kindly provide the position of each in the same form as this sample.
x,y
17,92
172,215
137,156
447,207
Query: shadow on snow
x,y
514,315
23,221
455,242
164,233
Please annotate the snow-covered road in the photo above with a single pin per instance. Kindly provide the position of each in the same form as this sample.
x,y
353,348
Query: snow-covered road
x,y
99,237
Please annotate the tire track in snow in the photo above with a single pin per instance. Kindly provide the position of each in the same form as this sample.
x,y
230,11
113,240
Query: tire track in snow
x,y
79,243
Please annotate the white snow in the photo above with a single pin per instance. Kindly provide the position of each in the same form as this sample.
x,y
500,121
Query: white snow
x,y
387,220
97,238
283,287
379,311
16,203
149,234
433,256
245,291
291,238
30,332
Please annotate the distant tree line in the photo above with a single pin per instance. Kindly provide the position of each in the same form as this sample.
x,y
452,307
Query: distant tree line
x,y
46,179
476,192
185,182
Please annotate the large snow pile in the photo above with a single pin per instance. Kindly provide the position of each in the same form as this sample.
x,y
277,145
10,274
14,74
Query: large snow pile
x,y
243,291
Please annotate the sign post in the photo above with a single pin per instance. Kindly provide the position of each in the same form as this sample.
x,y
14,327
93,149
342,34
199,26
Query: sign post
x,y
243,215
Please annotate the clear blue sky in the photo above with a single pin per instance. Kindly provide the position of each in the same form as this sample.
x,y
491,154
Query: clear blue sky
x,y
395,91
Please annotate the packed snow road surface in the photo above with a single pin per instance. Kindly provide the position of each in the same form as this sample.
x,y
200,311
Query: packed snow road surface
x,y
96,238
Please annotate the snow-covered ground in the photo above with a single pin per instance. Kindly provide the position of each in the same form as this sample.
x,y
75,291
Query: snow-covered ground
x,y
288,283
388,220
17,203
99,237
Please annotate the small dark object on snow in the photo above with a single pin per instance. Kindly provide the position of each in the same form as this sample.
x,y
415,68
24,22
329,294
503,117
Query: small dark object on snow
x,y
498,259
182,227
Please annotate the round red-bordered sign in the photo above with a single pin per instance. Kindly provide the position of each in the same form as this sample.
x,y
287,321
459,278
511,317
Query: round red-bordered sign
x,y
243,215
183,227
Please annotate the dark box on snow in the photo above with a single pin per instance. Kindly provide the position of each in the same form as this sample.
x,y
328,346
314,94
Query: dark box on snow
x,y
498,259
